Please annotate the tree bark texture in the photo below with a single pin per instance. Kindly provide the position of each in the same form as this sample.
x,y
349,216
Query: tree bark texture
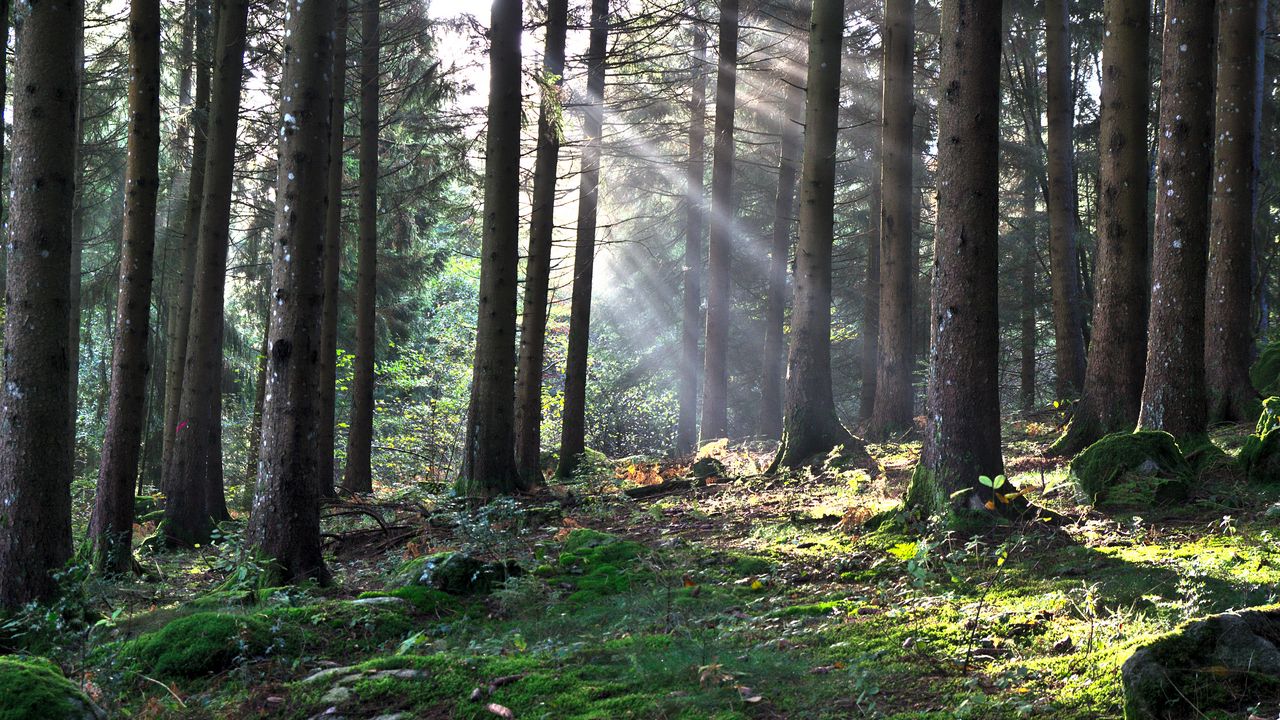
x,y
691,321
333,256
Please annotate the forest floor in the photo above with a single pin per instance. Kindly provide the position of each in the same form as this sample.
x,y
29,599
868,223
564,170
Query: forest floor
x,y
748,598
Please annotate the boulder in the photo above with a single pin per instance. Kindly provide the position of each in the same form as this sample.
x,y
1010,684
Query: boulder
x,y
1140,469
457,573
35,689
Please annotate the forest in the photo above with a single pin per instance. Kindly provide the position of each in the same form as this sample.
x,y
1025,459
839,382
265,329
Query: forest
x,y
669,359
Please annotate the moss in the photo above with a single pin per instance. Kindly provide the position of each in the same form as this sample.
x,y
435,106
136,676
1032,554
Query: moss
x,y
457,573
1265,372
1142,468
748,565
925,495
424,599
34,689
1203,455
199,644
597,564
1260,455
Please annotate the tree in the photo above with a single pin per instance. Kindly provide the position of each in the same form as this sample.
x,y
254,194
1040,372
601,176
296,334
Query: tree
x,y
1237,156
488,455
573,417
895,397
1113,379
193,477
285,523
36,417
962,437
809,422
332,256
358,476
1173,394
715,372
1064,261
694,209
112,525
533,325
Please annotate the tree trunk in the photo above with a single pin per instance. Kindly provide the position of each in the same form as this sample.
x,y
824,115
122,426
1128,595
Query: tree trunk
x,y
179,325
1173,394
333,258
36,433
1064,262
358,476
533,325
193,477
111,527
1027,379
1237,156
895,398
695,207
715,371
1113,380
488,455
962,438
285,523
573,418
74,300
871,304
810,424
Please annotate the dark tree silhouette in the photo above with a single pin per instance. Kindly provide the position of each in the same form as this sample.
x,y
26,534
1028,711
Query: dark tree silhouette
x,y
695,208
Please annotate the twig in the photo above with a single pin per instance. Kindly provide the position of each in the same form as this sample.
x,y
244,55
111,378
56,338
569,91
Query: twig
x,y
166,687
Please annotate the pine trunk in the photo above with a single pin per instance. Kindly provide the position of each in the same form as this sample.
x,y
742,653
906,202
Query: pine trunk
x,y
1027,374
691,322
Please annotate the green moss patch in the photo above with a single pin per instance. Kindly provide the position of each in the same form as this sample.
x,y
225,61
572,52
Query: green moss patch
x,y
200,644
35,689
1260,455
1265,372
424,599
1133,469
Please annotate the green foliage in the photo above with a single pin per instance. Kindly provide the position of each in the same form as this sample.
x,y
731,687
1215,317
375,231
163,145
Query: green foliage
x,y
35,689
1133,469
1260,455
200,644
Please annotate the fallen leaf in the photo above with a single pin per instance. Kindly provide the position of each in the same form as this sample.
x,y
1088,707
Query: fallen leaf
x,y
748,695
501,711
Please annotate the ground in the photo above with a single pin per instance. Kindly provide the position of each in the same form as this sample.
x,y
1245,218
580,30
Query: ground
x,y
749,597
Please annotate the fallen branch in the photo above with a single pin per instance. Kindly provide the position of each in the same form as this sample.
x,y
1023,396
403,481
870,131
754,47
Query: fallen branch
x,y
662,488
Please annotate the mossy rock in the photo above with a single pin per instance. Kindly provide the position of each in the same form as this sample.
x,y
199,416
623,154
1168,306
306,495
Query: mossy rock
x,y
457,573
708,467
1260,455
35,689
144,505
199,644
1133,469
424,599
598,564
1265,372
1223,662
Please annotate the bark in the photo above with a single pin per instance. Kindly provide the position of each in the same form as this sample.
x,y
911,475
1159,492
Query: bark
x,y
962,437
695,207
573,417
895,398
111,527
533,325
1233,207
35,433
193,477
1114,376
77,248
358,476
1064,262
1027,379
488,455
1173,394
325,473
871,306
715,372
810,424
180,312
285,522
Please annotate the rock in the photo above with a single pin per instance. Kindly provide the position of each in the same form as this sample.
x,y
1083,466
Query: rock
x,y
337,695
1222,662
460,574
1260,455
1133,469
326,674
380,600
35,689
708,467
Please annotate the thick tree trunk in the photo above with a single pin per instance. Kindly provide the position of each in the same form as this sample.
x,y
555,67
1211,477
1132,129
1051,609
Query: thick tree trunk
x,y
533,325
358,476
488,455
691,322
1173,394
285,523
111,527
1237,156
332,258
895,398
1113,380
193,477
179,325
962,438
573,417
715,371
74,299
35,433
810,424
1064,262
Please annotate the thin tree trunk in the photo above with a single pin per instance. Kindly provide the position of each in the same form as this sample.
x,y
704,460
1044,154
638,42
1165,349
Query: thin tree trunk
x,y
1027,376
333,258
488,455
1173,394
691,322
1234,205
895,398
533,325
75,301
285,523
111,527
871,305
35,435
573,417
715,372
358,476
1114,375
962,438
